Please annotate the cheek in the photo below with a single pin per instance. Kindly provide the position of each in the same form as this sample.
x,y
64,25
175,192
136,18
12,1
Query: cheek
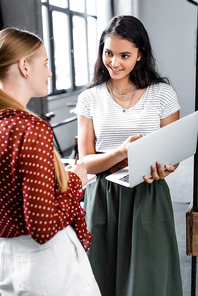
x,y
132,65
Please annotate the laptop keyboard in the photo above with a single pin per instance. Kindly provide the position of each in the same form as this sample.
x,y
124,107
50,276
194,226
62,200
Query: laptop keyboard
x,y
125,179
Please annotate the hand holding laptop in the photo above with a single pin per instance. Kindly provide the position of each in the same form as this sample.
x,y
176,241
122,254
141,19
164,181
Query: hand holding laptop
x,y
158,172
124,147
169,145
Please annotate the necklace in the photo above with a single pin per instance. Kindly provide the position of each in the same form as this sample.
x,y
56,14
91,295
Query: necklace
x,y
130,99
124,109
114,95
121,92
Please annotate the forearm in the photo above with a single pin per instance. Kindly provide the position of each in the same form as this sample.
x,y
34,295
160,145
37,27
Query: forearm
x,y
97,163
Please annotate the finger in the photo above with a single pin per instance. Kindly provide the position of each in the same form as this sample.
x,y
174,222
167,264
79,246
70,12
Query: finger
x,y
160,170
148,180
170,168
154,173
134,138
68,167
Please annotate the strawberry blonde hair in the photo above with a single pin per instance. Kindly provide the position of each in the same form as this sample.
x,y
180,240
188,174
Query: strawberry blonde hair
x,y
14,45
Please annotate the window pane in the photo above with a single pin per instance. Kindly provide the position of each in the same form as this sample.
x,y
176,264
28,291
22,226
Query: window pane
x,y
59,3
46,38
92,44
62,52
80,51
77,5
91,7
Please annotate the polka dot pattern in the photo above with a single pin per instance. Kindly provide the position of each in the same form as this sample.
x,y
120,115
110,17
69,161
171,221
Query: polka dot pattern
x,y
29,201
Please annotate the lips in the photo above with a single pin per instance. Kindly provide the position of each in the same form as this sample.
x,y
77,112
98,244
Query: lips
x,y
115,70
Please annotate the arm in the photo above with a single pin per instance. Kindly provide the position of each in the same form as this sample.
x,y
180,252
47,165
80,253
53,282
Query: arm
x,y
169,119
45,210
97,163
157,171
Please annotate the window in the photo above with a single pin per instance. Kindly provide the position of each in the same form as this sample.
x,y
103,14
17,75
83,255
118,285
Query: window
x,y
69,32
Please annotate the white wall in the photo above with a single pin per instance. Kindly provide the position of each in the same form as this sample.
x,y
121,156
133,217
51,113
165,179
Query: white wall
x,y
171,25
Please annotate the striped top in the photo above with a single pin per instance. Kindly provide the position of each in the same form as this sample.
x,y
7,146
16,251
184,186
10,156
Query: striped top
x,y
112,126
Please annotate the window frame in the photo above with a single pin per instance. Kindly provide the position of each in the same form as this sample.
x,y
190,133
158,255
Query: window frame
x,y
70,13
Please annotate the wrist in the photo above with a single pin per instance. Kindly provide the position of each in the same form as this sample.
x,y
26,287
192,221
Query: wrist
x,y
120,154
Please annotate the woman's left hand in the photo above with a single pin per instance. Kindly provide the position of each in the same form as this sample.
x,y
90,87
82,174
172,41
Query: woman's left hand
x,y
159,173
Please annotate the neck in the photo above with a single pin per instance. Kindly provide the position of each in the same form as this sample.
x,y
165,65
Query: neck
x,y
16,93
121,83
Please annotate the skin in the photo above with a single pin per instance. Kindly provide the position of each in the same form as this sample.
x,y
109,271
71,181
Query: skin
x,y
119,57
26,79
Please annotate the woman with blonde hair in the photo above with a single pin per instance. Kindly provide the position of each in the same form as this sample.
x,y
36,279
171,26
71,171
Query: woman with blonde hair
x,y
43,234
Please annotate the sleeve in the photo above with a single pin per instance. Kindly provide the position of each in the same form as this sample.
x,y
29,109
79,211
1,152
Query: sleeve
x,y
168,101
83,106
46,211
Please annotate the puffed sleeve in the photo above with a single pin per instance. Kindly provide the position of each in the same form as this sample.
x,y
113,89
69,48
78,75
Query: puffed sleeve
x,y
45,210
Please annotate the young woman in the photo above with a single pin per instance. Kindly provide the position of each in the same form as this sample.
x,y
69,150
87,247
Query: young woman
x,y
134,250
40,253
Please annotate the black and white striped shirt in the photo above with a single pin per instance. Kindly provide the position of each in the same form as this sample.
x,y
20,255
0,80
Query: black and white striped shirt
x,y
112,126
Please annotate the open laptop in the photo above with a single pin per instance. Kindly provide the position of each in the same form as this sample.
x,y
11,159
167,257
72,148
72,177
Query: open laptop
x,y
168,145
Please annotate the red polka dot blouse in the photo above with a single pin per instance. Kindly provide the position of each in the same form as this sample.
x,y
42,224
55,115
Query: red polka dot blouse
x,y
29,201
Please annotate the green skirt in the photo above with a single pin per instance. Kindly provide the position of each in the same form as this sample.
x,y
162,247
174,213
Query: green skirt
x,y
134,251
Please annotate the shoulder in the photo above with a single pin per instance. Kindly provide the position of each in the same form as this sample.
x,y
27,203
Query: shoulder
x,y
90,98
162,88
166,99
94,91
162,92
24,121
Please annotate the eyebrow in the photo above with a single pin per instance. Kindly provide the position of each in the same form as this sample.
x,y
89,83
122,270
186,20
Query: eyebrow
x,y
125,52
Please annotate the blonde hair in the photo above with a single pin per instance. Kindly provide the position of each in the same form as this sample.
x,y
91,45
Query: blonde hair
x,y
14,45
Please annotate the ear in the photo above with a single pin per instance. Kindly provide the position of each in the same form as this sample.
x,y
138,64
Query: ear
x,y
24,67
139,57
140,54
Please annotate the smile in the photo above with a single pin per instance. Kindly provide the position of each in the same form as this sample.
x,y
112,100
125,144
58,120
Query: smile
x,y
116,70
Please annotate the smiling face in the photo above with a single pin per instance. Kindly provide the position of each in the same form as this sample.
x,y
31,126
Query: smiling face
x,y
39,73
119,57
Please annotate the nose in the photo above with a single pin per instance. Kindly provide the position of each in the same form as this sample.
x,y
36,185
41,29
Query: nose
x,y
115,61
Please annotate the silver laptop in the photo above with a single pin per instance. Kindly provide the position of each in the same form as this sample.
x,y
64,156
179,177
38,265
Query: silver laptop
x,y
168,145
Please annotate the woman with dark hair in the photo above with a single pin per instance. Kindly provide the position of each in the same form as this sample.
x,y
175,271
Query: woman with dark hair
x,y
134,250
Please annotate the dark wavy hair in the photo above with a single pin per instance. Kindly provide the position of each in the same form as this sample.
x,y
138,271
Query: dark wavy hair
x,y
130,28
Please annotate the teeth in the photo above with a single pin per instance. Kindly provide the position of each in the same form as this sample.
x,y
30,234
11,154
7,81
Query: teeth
x,y
115,69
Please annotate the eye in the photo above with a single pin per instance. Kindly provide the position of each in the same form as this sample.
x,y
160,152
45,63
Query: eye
x,y
108,53
125,56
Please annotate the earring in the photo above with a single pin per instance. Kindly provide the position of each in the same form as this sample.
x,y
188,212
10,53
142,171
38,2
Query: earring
x,y
27,74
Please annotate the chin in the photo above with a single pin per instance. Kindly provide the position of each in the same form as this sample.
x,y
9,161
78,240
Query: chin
x,y
43,94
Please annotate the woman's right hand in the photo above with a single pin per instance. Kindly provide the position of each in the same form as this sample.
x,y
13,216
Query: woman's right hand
x,y
80,170
124,147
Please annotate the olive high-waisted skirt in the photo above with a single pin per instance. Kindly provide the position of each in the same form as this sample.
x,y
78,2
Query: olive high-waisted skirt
x,y
134,250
